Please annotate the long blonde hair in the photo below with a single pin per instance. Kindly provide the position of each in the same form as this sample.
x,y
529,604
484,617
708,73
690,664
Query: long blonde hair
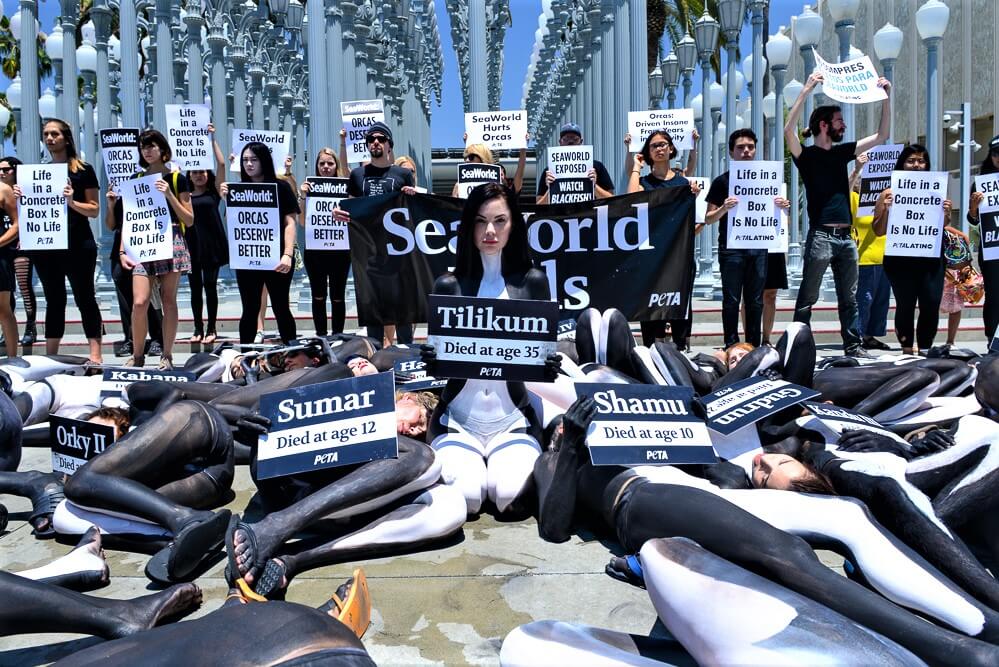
x,y
481,151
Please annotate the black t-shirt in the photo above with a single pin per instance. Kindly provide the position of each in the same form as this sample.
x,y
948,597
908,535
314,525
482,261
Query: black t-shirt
x,y
370,180
827,183
287,205
206,238
603,178
717,194
82,180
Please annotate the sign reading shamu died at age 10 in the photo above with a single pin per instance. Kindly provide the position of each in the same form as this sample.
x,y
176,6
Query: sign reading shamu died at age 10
x,y
253,223
753,224
42,216
328,425
491,339
748,401
322,230
916,216
74,442
645,425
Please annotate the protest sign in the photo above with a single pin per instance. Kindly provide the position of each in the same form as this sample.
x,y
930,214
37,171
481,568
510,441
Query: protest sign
x,y
499,130
916,216
253,223
43,220
836,421
753,224
279,144
748,401
146,233
322,230
327,425
74,442
988,212
701,208
411,375
570,161
187,134
783,221
875,177
678,122
639,424
590,252
570,191
473,174
357,118
120,154
852,82
491,339
116,380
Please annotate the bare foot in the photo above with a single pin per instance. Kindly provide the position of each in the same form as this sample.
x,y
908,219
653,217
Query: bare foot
x,y
148,611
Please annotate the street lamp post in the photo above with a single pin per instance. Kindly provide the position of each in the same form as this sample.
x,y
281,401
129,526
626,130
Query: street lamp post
x,y
931,22
758,8
887,46
779,55
671,77
656,83
844,13
14,100
69,11
53,49
706,39
791,91
731,14
808,32
769,109
686,53
128,28
86,58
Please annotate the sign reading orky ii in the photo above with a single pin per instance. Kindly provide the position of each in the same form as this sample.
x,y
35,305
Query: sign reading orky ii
x,y
74,442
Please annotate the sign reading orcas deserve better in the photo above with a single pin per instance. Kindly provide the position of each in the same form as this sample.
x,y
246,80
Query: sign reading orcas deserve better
x,y
115,380
748,401
491,339
645,425
74,442
328,425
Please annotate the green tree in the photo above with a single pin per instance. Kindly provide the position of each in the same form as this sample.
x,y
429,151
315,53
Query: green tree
x,y
10,63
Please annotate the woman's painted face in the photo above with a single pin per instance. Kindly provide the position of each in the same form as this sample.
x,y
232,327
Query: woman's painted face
x,y
199,178
53,138
326,165
251,164
8,173
915,162
492,227
360,366
777,471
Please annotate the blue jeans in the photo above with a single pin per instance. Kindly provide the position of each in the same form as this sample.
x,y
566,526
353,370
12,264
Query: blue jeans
x,y
823,248
743,273
873,295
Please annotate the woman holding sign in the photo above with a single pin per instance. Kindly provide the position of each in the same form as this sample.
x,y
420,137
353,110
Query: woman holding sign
x,y
22,262
990,268
914,280
8,248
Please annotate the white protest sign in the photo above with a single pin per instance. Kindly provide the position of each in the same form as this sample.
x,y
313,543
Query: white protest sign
x,y
678,122
875,177
701,205
499,130
120,153
357,118
988,212
187,133
322,230
254,226
43,221
570,161
473,174
146,233
279,144
916,216
852,82
783,220
753,222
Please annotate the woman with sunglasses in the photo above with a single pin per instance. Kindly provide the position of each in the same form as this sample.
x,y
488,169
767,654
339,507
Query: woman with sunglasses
x,y
22,262
990,268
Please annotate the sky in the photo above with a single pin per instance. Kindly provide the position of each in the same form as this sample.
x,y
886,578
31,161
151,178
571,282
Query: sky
x,y
447,119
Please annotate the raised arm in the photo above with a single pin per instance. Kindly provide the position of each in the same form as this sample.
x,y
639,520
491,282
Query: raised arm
x,y
691,167
791,139
884,127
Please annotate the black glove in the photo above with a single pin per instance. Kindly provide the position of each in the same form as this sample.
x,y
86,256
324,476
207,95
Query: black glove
x,y
931,442
576,420
428,355
553,366
860,440
250,427
726,475
771,374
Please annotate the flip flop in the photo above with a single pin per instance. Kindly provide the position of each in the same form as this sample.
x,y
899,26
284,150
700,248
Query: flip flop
x,y
268,584
627,569
232,569
351,604
190,548
43,504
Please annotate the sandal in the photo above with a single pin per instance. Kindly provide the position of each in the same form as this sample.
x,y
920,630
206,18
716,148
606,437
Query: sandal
x,y
196,338
191,547
351,603
43,504
136,362
209,338
627,569
166,363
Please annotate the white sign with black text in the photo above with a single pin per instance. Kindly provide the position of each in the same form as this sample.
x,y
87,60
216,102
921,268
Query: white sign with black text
x,y
499,130
748,401
570,161
875,177
837,420
753,223
322,230
146,233
43,221
120,153
279,144
678,122
916,216
187,134
253,222
357,117
852,82
116,380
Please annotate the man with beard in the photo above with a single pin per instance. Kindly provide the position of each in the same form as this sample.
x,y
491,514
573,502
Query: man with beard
x,y
823,167
380,176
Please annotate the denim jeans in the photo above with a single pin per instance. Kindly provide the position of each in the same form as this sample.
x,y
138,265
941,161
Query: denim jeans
x,y
873,295
823,248
743,273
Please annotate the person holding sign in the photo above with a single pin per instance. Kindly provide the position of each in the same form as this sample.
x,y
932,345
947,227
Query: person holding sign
x,y
22,262
571,135
823,168
154,153
989,267
485,432
8,280
873,288
256,166
914,280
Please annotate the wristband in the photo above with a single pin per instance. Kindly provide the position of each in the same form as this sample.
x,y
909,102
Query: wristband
x,y
288,255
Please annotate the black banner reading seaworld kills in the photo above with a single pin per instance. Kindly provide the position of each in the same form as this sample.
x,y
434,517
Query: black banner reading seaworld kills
x,y
632,252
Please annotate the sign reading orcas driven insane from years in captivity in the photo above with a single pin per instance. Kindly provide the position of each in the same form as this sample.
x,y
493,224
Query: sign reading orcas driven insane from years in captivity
x,y
748,401
327,425
74,442
114,380
645,425
491,339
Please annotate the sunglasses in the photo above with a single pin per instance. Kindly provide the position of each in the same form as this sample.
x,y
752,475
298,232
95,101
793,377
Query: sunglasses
x,y
377,137
6,170
994,152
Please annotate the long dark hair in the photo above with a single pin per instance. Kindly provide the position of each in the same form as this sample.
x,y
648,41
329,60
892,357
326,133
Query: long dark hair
x,y
912,149
647,146
154,138
210,186
263,154
823,114
516,254
12,161
73,161
988,166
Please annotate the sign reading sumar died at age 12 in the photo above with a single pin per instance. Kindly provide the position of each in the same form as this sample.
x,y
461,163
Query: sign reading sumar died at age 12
x,y
322,230
753,223
120,153
357,117
875,177
499,130
491,339
114,380
328,425
852,82
146,233
279,144
253,222
43,221
678,122
988,212
187,134
645,425
473,174
74,442
748,401
916,216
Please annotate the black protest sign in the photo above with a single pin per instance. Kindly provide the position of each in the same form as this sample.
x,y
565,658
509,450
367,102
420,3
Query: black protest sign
x,y
411,375
639,424
645,241
839,420
988,211
114,380
875,177
327,425
120,154
322,230
491,339
253,222
74,442
748,401
570,190
473,174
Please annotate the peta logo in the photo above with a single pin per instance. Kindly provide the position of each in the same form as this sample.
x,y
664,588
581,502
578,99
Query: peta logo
x,y
664,299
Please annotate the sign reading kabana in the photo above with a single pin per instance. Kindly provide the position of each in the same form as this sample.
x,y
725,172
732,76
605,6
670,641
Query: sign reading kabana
x,y
839,420
327,425
114,380
748,401
74,442
491,339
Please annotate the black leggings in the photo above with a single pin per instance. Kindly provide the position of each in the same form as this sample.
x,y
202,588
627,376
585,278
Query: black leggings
x,y
78,265
204,278
22,270
328,268
990,308
916,280
251,283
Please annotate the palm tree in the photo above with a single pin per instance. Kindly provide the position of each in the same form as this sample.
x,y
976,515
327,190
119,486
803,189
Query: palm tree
x,y
10,62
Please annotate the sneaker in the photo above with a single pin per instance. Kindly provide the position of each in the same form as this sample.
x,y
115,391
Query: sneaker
x,y
259,338
123,349
859,353
154,349
30,334
872,343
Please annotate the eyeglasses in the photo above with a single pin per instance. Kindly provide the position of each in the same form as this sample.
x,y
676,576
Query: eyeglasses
x,y
659,144
6,170
380,138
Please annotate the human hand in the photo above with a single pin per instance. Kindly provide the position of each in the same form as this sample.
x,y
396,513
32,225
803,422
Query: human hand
x,y
161,185
553,366
284,266
428,355
576,420
408,190
67,191
224,190
862,441
862,159
781,202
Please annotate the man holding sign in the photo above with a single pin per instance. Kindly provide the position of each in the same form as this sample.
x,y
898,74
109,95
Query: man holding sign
x,y
823,168
603,186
